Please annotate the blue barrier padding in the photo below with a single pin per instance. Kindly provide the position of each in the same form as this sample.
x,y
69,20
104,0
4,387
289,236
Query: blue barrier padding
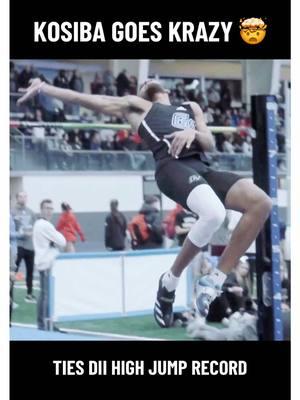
x,y
114,254
87,317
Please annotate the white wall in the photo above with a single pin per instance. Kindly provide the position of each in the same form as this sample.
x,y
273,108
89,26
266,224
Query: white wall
x,y
88,193
117,284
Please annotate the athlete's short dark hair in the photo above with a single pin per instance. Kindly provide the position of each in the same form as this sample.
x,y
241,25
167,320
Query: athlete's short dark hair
x,y
152,88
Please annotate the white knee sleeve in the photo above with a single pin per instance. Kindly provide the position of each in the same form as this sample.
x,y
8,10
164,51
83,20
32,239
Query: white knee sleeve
x,y
204,202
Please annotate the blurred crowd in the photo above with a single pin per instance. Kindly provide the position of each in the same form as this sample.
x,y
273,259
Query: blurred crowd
x,y
216,103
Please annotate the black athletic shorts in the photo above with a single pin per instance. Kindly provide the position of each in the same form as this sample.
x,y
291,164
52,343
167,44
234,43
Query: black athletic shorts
x,y
177,178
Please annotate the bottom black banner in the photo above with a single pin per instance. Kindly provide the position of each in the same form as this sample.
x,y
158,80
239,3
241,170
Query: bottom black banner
x,y
258,368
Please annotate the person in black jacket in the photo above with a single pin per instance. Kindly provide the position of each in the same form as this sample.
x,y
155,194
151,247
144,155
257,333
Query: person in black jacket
x,y
150,210
115,228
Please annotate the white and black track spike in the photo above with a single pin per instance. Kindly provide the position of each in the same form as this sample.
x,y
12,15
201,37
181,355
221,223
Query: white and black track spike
x,y
163,307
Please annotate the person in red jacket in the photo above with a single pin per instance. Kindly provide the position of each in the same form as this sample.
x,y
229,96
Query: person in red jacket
x,y
69,227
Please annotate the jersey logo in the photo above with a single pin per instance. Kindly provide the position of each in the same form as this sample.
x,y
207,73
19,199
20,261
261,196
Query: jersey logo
x,y
181,108
182,120
194,178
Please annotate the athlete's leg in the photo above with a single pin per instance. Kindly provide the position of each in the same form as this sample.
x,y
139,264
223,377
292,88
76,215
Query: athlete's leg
x,y
204,202
185,186
240,195
246,197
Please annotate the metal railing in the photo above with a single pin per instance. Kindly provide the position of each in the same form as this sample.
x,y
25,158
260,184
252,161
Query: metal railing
x,y
32,154
100,125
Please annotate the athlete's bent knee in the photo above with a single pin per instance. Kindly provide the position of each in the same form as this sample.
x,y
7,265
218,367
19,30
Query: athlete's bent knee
x,y
266,204
204,202
216,215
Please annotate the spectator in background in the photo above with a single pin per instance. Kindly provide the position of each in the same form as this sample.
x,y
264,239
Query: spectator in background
x,y
235,118
34,71
13,236
79,162
13,78
236,294
123,141
46,241
247,146
95,141
76,83
24,77
107,136
137,140
218,118
77,145
111,90
85,137
280,140
61,80
225,96
39,133
65,144
169,224
183,223
123,83
281,165
50,107
213,96
133,85
108,79
85,117
24,219
13,86
237,287
66,149
145,228
97,84
244,123
115,228
202,99
69,227
228,146
208,115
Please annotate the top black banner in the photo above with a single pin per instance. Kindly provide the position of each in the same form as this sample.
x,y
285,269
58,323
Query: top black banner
x,y
83,31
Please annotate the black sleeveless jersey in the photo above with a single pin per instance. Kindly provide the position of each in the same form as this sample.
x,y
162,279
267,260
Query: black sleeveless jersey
x,y
164,119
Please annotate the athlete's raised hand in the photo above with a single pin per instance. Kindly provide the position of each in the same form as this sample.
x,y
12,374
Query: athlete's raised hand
x,y
31,91
180,140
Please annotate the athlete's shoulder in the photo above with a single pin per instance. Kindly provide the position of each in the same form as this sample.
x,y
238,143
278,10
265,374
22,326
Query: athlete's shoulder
x,y
194,106
137,102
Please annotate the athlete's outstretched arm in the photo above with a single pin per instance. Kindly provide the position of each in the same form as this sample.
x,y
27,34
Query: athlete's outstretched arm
x,y
203,135
111,105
